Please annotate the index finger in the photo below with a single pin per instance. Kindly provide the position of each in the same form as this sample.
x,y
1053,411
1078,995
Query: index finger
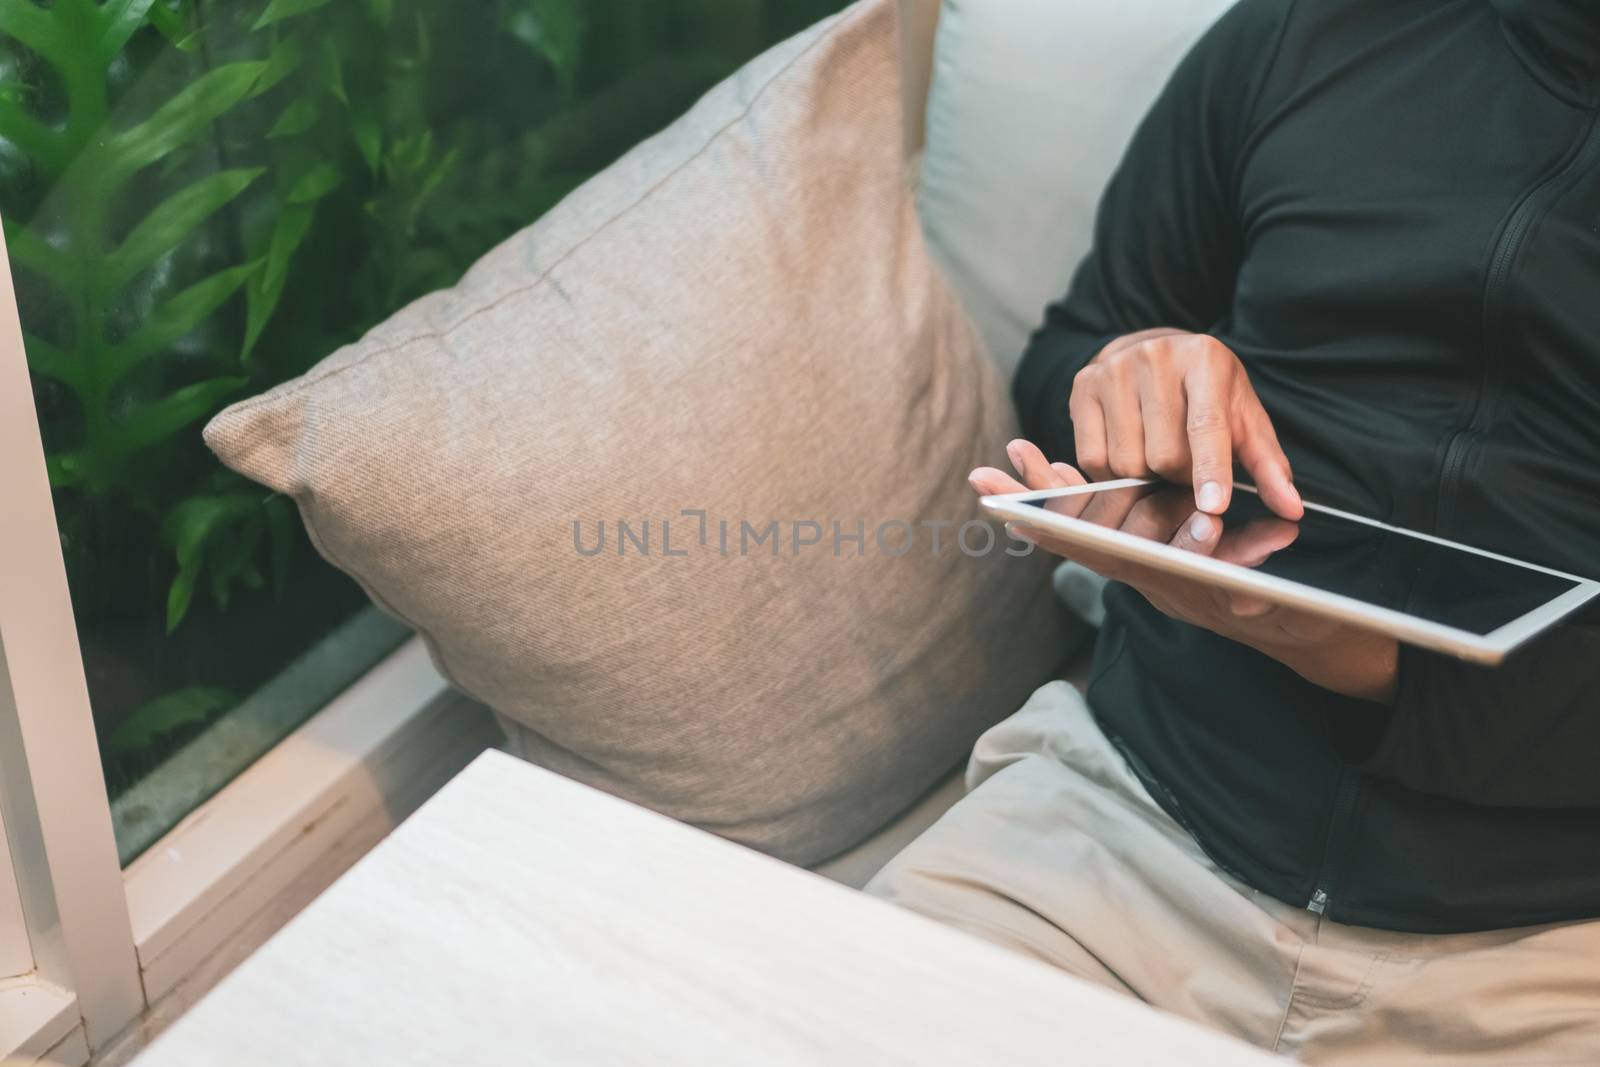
x,y
1263,457
1209,426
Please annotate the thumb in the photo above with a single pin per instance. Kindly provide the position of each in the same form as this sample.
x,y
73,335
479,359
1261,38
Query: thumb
x,y
1199,533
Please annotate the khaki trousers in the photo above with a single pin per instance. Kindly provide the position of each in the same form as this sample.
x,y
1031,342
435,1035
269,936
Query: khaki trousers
x,y
1058,851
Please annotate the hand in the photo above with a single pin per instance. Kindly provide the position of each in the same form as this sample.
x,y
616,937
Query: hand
x,y
1178,406
1342,658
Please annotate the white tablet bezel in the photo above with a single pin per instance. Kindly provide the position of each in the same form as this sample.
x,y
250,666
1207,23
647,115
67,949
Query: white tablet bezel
x,y
1488,648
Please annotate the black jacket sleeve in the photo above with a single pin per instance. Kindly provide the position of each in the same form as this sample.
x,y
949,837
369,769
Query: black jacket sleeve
x,y
1168,238
1523,734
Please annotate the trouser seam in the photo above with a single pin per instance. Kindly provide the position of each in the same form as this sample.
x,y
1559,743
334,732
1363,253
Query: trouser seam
x,y
1288,1003
964,921
1354,1000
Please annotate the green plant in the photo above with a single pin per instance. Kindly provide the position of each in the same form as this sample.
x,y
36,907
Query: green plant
x,y
125,407
201,198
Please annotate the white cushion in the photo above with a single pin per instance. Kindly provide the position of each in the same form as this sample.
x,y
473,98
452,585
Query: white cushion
x,y
1031,107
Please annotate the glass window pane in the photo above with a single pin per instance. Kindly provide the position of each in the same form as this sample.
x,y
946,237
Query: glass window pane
x,y
204,197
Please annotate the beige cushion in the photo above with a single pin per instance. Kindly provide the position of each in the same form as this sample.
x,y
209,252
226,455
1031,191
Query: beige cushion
x,y
739,318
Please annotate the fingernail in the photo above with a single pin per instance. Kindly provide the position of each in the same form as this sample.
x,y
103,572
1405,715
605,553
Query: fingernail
x,y
1063,469
1209,496
1014,450
1200,527
1247,607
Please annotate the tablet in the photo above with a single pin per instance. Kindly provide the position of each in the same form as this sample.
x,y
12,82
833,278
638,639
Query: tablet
x,y
1417,588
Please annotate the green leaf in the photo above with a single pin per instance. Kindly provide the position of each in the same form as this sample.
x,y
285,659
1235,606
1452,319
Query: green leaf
x,y
316,183
26,247
441,170
221,588
222,583
261,297
192,521
407,155
331,68
182,117
121,18
283,9
296,119
381,11
173,24
281,62
173,220
36,141
217,535
232,560
179,595
185,707
66,469
174,318
554,30
37,28
424,41
369,138
160,420
48,361
431,182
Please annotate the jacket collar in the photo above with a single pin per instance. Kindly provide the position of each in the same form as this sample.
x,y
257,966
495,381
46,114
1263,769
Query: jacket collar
x,y
1559,41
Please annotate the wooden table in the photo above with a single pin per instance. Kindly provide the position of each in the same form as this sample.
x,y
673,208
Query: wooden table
x,y
521,918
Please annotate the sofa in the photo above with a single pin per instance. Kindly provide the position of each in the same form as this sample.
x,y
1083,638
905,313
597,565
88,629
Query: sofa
x,y
796,307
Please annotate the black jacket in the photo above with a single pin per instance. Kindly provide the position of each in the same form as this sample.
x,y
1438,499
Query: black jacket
x,y
1390,210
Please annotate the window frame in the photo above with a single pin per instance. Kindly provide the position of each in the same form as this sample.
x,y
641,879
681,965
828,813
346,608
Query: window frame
x,y
16,947
56,811
106,945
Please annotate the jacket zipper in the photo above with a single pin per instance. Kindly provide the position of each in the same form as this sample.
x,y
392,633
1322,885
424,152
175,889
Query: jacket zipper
x,y
1344,805
1533,204
1535,201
